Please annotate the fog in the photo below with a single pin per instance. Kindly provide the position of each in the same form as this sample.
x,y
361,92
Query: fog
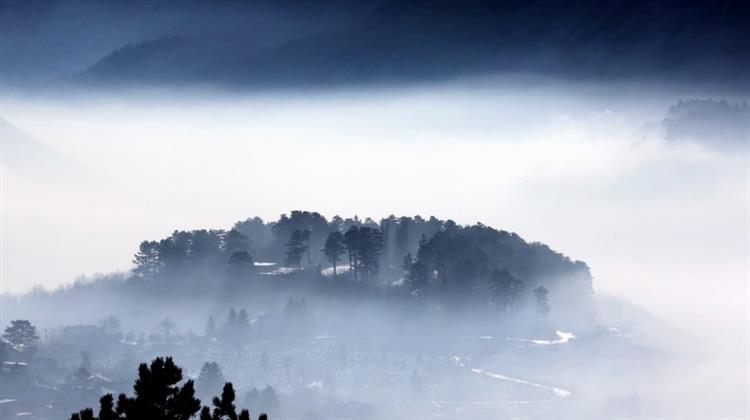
x,y
585,168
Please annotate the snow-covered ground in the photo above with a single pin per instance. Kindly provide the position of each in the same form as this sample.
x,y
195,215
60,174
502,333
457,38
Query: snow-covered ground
x,y
328,272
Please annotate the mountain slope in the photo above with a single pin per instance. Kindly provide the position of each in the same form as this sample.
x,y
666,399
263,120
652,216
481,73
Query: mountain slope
x,y
434,40
29,158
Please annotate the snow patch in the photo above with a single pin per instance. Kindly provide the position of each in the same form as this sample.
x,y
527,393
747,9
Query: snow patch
x,y
564,337
557,392
264,264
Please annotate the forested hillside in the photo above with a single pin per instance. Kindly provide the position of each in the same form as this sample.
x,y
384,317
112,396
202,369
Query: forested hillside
x,y
427,261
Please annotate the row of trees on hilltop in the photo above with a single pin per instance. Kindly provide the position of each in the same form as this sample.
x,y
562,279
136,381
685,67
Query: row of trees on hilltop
x,y
481,264
294,240
361,245
187,250
431,258
710,121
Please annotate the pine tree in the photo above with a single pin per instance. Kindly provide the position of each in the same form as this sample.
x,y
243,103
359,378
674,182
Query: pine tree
x,y
542,302
296,248
224,407
507,289
334,248
157,397
147,260
209,380
364,245
22,334
234,241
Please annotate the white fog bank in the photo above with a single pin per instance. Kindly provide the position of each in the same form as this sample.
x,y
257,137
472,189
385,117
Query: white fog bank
x,y
664,224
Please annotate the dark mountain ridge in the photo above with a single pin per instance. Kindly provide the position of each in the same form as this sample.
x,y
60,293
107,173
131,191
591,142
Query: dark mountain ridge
x,y
672,40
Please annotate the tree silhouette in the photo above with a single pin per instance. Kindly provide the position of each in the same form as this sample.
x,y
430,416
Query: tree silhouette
x,y
21,334
243,319
334,248
363,245
351,238
240,259
234,241
406,263
168,328
542,303
507,289
204,245
237,325
224,407
417,276
231,318
302,220
240,265
370,247
305,237
147,260
157,397
210,379
266,399
296,248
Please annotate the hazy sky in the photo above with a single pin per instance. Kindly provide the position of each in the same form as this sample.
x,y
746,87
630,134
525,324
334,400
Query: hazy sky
x,y
663,224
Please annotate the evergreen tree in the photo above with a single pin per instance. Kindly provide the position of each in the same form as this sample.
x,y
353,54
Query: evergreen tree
x,y
542,302
234,241
370,247
231,319
157,396
168,329
364,245
507,289
305,238
296,248
224,407
351,242
205,245
402,235
146,260
407,262
173,251
417,277
334,248
240,265
209,380
266,399
243,319
22,334
240,259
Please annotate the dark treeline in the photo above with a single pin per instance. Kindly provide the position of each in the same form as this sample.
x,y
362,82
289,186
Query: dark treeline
x,y
421,259
160,396
716,122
